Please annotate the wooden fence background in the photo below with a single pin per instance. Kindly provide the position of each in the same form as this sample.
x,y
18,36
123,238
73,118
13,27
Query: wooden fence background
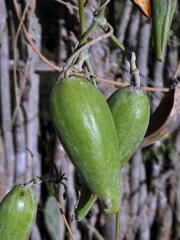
x,y
151,181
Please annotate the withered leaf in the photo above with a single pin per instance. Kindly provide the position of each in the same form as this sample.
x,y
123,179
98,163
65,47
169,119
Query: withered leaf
x,y
144,5
165,119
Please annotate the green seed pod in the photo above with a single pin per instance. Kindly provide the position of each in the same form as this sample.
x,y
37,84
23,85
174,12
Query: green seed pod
x,y
86,129
162,15
131,111
17,214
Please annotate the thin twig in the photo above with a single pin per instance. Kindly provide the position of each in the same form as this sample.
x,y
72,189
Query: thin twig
x,y
59,69
62,212
64,218
18,98
31,43
98,14
74,56
15,45
114,39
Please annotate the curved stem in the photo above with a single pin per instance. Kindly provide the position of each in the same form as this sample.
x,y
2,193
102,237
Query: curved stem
x,y
114,39
100,13
117,42
86,46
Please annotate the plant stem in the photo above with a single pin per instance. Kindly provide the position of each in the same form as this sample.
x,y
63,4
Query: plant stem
x,y
117,225
93,25
74,56
134,70
85,36
81,16
117,42
114,39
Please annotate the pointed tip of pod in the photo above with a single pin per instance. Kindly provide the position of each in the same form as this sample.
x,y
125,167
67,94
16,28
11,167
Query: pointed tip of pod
x,y
112,206
160,57
113,203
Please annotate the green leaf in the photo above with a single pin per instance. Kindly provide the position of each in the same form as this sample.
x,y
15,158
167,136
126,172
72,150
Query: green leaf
x,y
51,218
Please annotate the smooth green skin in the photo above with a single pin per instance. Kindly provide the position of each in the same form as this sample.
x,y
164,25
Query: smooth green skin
x,y
131,111
162,15
85,203
86,129
17,214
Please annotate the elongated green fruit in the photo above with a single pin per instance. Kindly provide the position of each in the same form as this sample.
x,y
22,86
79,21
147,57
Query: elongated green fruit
x,y
17,214
85,126
131,110
162,15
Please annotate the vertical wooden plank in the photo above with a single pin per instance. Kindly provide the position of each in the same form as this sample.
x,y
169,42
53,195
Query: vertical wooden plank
x,y
131,41
5,97
142,64
126,14
32,111
20,151
32,106
143,48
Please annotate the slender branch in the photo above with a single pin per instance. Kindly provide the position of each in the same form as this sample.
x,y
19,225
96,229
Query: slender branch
x,y
82,20
42,67
64,218
99,13
59,69
114,39
117,42
74,56
15,46
31,43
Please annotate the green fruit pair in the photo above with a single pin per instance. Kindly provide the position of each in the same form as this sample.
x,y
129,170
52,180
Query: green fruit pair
x,y
130,110
86,129
17,214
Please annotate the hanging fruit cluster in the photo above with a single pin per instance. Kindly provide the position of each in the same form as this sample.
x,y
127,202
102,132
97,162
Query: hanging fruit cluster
x,y
98,136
